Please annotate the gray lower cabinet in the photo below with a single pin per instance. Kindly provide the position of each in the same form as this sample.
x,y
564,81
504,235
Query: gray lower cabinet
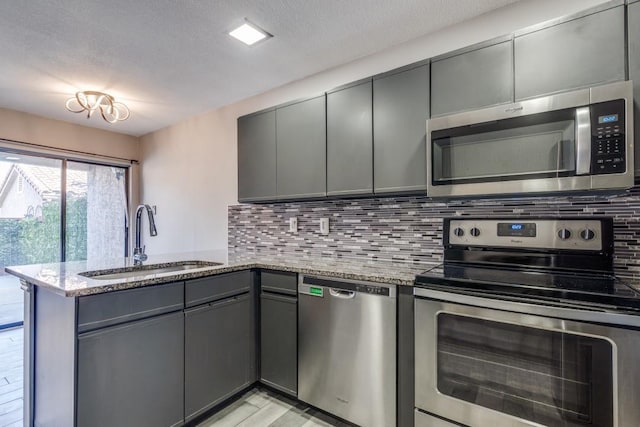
x,y
301,143
634,72
400,111
472,79
219,353
279,341
257,157
581,52
349,140
132,374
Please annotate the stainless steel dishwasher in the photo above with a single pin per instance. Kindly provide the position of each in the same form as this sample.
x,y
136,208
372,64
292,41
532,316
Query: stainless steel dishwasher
x,y
347,349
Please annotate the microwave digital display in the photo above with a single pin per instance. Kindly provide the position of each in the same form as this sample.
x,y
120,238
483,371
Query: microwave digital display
x,y
517,229
608,118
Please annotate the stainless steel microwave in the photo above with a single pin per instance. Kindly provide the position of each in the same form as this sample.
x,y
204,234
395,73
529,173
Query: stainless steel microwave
x,y
579,140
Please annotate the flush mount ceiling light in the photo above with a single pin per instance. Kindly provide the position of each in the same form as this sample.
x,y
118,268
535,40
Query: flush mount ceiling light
x,y
91,101
249,33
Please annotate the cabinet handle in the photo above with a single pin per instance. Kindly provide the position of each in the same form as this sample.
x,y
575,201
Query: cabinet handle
x,y
339,293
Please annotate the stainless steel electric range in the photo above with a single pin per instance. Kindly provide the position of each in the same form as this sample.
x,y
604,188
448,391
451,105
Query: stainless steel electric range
x,y
525,324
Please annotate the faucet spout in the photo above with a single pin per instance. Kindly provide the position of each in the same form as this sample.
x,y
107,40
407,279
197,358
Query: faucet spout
x,y
138,250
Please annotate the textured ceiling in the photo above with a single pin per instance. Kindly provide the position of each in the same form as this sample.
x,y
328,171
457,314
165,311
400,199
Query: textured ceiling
x,y
171,59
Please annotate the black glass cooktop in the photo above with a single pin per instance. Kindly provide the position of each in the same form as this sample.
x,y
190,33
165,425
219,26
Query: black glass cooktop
x,y
591,289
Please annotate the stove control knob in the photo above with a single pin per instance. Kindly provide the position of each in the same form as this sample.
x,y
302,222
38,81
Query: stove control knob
x,y
564,234
459,232
587,234
475,232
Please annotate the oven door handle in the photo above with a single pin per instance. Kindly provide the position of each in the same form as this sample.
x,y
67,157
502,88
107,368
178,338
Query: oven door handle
x,y
583,141
605,317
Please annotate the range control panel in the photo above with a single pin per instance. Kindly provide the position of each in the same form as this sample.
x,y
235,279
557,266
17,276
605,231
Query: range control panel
x,y
575,234
608,142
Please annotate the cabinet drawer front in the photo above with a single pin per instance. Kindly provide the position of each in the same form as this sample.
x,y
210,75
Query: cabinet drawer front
x,y
132,374
280,282
279,342
219,353
99,311
207,289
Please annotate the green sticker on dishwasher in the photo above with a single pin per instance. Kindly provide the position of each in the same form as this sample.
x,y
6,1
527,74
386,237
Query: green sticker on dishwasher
x,y
318,292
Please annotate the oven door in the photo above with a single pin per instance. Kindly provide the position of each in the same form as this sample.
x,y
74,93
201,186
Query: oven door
x,y
481,366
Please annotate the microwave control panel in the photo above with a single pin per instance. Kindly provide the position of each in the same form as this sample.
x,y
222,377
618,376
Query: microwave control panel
x,y
608,142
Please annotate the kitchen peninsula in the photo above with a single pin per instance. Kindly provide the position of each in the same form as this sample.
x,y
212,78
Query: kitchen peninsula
x,y
108,338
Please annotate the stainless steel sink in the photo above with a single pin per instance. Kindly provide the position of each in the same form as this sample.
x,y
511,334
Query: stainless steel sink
x,y
146,270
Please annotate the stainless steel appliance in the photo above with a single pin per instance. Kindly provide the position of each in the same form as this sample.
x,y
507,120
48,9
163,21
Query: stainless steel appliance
x,y
347,349
580,140
525,325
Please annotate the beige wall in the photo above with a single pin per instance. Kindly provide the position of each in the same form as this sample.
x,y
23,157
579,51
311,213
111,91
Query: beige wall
x,y
189,170
41,134
24,127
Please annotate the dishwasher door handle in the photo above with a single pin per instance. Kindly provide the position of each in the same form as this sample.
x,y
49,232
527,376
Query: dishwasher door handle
x,y
340,293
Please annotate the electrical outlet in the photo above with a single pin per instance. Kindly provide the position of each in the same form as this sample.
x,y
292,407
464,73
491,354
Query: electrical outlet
x,y
324,226
293,224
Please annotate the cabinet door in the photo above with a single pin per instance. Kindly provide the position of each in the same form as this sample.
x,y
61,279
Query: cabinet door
x,y
401,110
634,74
579,53
474,79
349,141
132,374
257,157
219,353
279,342
301,137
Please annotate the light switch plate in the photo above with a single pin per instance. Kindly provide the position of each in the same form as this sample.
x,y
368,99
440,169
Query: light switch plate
x,y
293,224
324,226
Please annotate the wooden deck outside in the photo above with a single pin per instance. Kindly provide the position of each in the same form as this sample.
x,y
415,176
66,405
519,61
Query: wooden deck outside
x,y
11,301
11,380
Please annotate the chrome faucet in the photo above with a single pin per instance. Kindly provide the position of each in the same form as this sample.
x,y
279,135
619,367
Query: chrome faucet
x,y
138,252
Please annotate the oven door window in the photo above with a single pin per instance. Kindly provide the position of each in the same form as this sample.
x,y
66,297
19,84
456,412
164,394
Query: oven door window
x,y
548,377
536,146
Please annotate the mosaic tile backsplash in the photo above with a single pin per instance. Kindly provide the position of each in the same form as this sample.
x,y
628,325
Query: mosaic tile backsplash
x,y
409,228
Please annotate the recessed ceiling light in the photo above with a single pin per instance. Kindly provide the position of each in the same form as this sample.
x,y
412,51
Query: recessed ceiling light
x,y
249,34
12,158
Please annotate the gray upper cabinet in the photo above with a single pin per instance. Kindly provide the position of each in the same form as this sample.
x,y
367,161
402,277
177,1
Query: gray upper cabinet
x,y
257,157
301,149
474,78
400,111
349,140
634,73
582,52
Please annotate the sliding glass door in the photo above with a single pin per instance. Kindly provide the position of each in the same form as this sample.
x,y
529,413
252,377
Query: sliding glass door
x,y
30,230
96,208
53,210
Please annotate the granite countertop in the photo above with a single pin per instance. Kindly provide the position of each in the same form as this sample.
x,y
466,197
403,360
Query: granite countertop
x,y
65,278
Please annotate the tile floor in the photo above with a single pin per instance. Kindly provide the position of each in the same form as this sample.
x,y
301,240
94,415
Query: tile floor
x,y
262,408
11,377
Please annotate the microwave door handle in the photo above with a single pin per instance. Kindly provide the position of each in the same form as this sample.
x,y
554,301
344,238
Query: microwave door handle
x,y
583,141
